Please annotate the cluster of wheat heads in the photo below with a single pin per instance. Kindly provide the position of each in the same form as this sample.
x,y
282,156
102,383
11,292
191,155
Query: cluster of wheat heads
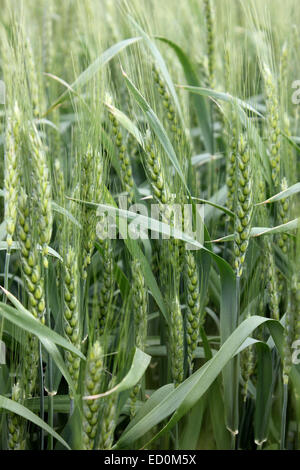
x,y
112,108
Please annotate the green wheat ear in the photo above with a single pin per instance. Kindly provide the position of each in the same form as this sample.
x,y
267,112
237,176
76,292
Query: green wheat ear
x,y
193,307
43,192
167,104
284,217
155,172
210,40
34,285
272,283
273,124
231,160
243,204
92,386
140,311
108,423
91,191
34,281
16,424
126,169
140,304
32,78
71,312
176,342
291,326
282,240
268,267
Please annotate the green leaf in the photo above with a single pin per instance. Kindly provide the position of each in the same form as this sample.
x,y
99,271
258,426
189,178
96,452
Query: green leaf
x,y
16,246
221,96
148,223
126,123
150,280
217,206
161,64
138,367
25,413
25,323
65,213
218,198
228,238
2,230
59,361
22,318
217,414
228,324
294,189
259,231
156,127
202,158
291,225
156,398
252,132
92,69
61,403
110,147
292,141
188,393
135,251
119,275
216,403
264,392
189,436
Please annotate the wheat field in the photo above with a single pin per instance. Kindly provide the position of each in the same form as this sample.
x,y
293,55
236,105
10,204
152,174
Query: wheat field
x,y
149,225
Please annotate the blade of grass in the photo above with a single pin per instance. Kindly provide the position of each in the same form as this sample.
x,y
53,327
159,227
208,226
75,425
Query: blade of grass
x,y
17,408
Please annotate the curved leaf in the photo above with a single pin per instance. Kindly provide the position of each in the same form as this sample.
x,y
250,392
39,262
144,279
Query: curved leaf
x,y
135,251
161,63
138,367
221,96
93,68
25,413
253,134
294,189
199,102
125,122
156,127
187,394
202,158
291,225
66,213
16,246
259,231
27,322
217,206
